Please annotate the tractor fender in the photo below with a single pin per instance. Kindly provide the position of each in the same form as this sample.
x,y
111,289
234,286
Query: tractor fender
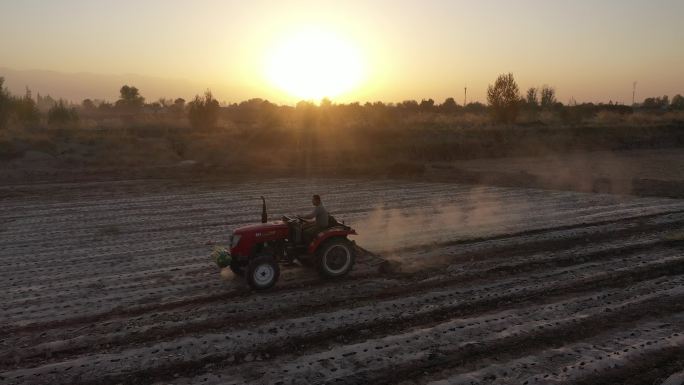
x,y
325,235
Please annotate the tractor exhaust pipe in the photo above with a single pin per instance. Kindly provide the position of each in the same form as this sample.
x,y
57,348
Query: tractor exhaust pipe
x,y
264,217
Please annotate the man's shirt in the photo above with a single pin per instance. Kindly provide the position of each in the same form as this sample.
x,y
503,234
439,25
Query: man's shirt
x,y
321,214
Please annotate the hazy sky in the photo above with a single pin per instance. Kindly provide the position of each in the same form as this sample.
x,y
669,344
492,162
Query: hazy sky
x,y
589,50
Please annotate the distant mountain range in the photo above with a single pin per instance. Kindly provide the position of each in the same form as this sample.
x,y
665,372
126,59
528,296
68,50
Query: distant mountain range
x,y
75,87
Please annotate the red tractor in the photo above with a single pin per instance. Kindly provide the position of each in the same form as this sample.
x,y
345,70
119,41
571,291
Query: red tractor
x,y
256,251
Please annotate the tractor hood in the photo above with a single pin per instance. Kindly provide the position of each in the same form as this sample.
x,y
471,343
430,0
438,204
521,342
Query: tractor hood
x,y
245,238
261,228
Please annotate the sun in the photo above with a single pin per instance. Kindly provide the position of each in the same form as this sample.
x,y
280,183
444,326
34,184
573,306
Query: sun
x,y
312,64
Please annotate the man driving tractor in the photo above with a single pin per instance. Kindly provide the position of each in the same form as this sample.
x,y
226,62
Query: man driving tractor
x,y
316,221
257,251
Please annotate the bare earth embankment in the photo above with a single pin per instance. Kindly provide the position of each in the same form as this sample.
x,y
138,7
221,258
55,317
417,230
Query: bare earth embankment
x,y
111,283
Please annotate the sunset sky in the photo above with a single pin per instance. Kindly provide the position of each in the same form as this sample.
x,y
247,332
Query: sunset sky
x,y
354,50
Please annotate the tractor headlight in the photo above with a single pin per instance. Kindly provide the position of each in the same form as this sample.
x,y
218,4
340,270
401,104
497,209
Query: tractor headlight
x,y
234,240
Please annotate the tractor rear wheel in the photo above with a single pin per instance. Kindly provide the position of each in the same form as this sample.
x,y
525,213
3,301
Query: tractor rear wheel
x,y
335,258
262,272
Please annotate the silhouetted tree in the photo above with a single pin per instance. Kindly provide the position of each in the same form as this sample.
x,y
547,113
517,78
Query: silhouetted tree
x,y
88,104
532,97
25,109
156,107
61,115
5,104
427,105
258,112
409,105
105,107
270,118
449,105
677,102
178,106
44,103
164,102
548,97
301,105
475,108
203,112
308,118
130,98
656,103
504,97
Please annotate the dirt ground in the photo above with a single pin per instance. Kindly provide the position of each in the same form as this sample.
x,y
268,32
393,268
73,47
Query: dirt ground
x,y
111,282
661,164
634,172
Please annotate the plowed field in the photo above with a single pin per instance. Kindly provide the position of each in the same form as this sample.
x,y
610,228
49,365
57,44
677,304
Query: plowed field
x,y
109,283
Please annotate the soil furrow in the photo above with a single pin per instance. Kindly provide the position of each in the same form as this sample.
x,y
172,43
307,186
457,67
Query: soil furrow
x,y
110,282
430,305
446,339
637,348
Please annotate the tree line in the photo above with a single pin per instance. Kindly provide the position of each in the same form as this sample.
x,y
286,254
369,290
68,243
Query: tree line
x,y
505,103
203,111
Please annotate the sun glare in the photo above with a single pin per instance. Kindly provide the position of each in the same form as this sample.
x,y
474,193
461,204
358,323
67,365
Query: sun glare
x,y
313,64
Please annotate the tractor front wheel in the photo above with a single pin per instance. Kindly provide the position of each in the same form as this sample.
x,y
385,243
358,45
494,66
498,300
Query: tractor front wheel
x,y
335,258
262,272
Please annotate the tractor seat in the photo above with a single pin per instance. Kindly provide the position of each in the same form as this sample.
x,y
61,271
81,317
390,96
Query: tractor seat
x,y
332,222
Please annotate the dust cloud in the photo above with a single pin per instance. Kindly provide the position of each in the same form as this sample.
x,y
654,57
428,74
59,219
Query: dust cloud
x,y
387,230
599,171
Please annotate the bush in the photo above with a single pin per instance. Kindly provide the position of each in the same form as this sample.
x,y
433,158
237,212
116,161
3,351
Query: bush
x,y
548,97
677,102
656,103
203,113
60,114
25,110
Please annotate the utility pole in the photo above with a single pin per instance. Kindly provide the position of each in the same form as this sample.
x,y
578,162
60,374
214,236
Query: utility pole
x,y
634,93
465,96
